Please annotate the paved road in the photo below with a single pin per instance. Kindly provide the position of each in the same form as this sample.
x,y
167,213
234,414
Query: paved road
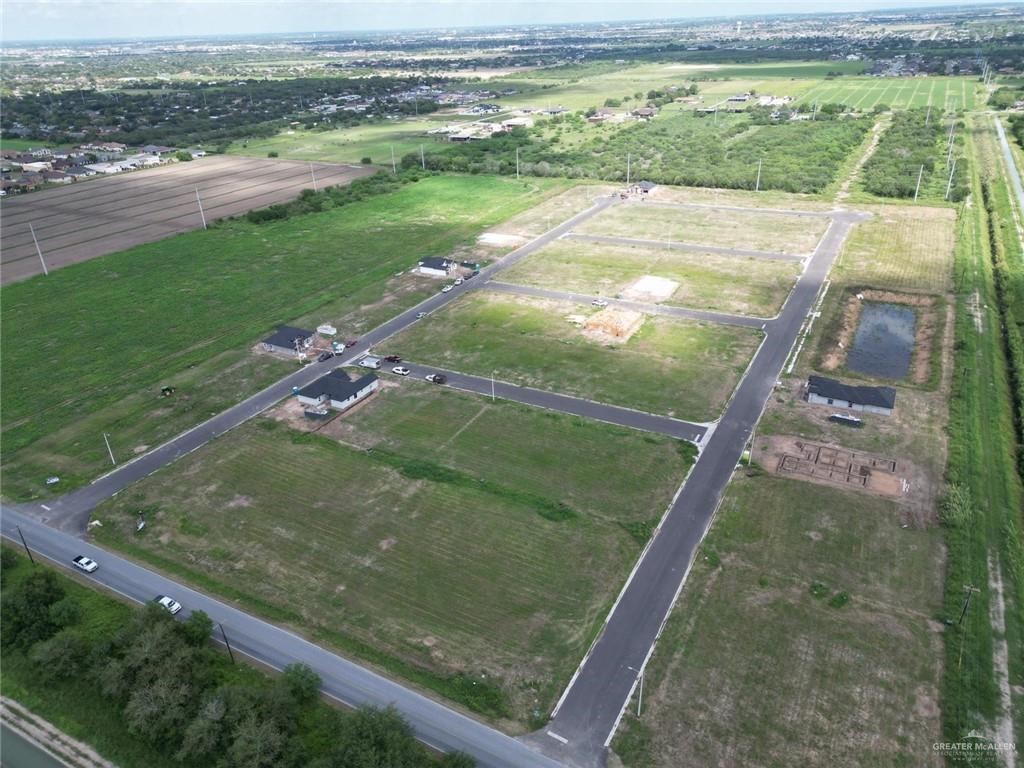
x,y
738,209
590,708
1011,164
435,724
695,248
577,406
638,306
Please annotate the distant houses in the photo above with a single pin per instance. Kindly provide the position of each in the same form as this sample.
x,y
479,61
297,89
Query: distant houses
x,y
337,390
823,391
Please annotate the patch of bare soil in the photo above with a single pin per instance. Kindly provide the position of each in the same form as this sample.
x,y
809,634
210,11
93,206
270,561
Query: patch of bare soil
x,y
924,333
650,288
293,414
612,326
833,465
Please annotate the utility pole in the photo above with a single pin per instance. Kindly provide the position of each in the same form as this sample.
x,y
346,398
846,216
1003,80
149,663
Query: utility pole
x,y
394,168
105,440
199,200
313,174
949,184
970,590
226,643
33,231
25,545
917,189
517,163
492,387
757,184
949,149
423,160
640,695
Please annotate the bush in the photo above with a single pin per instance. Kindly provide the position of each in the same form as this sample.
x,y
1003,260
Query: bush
x,y
61,657
272,153
366,160
26,609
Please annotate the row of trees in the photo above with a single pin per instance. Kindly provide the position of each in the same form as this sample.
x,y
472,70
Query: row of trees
x,y
797,156
175,692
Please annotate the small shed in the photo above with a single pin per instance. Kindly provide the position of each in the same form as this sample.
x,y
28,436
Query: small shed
x,y
337,390
288,340
823,391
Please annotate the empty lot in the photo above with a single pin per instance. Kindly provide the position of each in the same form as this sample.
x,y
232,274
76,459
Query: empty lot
x,y
93,218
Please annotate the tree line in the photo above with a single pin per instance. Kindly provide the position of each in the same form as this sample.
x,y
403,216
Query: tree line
x,y
175,692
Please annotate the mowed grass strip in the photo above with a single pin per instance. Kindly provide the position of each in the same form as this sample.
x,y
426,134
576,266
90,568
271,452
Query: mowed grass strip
x,y
674,367
805,635
737,285
433,548
751,230
88,336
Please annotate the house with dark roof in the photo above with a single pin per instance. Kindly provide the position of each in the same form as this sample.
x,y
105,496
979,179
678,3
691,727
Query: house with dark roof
x,y
436,267
288,340
822,391
337,390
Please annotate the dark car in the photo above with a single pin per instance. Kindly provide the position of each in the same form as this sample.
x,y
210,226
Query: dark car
x,y
393,358
324,356
351,342
437,378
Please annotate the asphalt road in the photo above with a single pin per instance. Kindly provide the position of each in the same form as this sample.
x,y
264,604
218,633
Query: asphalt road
x,y
586,716
1011,164
435,724
576,406
637,306
691,247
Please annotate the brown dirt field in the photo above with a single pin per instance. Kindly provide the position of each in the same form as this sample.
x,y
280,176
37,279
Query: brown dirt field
x,y
924,333
98,216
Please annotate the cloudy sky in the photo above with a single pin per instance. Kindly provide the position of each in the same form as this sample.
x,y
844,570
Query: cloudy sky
x,y
118,19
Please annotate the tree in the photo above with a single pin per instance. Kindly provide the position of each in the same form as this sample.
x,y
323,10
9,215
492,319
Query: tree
x,y
456,760
60,657
160,710
204,736
8,559
375,737
301,683
66,612
26,609
257,742
197,628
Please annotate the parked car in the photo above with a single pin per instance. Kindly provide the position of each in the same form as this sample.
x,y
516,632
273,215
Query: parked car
x,y
170,604
599,303
393,358
459,281
52,480
351,342
446,289
420,315
436,378
370,362
86,564
324,356
401,371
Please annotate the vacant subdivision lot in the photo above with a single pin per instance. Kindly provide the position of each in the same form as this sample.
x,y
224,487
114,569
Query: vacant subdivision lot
x,y
470,546
663,365
100,216
747,229
809,630
186,311
731,284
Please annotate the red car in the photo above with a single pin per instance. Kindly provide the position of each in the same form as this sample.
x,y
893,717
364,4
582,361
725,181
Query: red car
x,y
351,342
393,358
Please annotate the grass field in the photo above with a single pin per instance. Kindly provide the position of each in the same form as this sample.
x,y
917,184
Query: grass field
x,y
731,229
755,670
348,145
901,248
188,301
528,342
866,93
750,286
433,539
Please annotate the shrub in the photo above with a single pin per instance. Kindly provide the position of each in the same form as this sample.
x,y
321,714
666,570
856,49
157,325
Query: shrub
x,y
272,153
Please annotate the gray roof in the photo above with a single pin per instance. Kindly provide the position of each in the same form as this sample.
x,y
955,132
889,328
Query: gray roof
x,y
336,385
435,262
880,397
285,336
648,185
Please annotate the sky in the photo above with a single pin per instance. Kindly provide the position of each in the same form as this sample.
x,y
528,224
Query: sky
x,y
131,19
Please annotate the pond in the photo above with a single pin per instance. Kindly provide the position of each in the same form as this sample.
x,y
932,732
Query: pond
x,y
18,752
884,342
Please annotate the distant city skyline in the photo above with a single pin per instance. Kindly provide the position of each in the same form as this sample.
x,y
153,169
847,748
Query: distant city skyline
x,y
43,20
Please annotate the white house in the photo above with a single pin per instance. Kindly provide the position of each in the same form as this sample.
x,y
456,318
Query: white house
x,y
822,391
337,390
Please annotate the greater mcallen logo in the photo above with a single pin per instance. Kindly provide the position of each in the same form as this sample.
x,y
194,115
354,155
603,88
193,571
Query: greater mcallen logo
x,y
973,746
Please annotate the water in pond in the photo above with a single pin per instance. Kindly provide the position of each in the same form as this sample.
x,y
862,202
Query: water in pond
x,y
884,341
18,752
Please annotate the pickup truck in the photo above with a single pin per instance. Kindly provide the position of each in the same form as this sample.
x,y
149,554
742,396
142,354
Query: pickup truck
x,y
436,378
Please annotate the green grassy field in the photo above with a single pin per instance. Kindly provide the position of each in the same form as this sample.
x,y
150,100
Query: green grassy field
x,y
866,93
753,669
727,228
529,342
431,532
188,304
750,286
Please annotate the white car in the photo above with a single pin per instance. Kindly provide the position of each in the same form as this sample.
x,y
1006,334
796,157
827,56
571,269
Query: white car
x,y
446,289
459,281
172,605
599,303
400,370
420,315
86,564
